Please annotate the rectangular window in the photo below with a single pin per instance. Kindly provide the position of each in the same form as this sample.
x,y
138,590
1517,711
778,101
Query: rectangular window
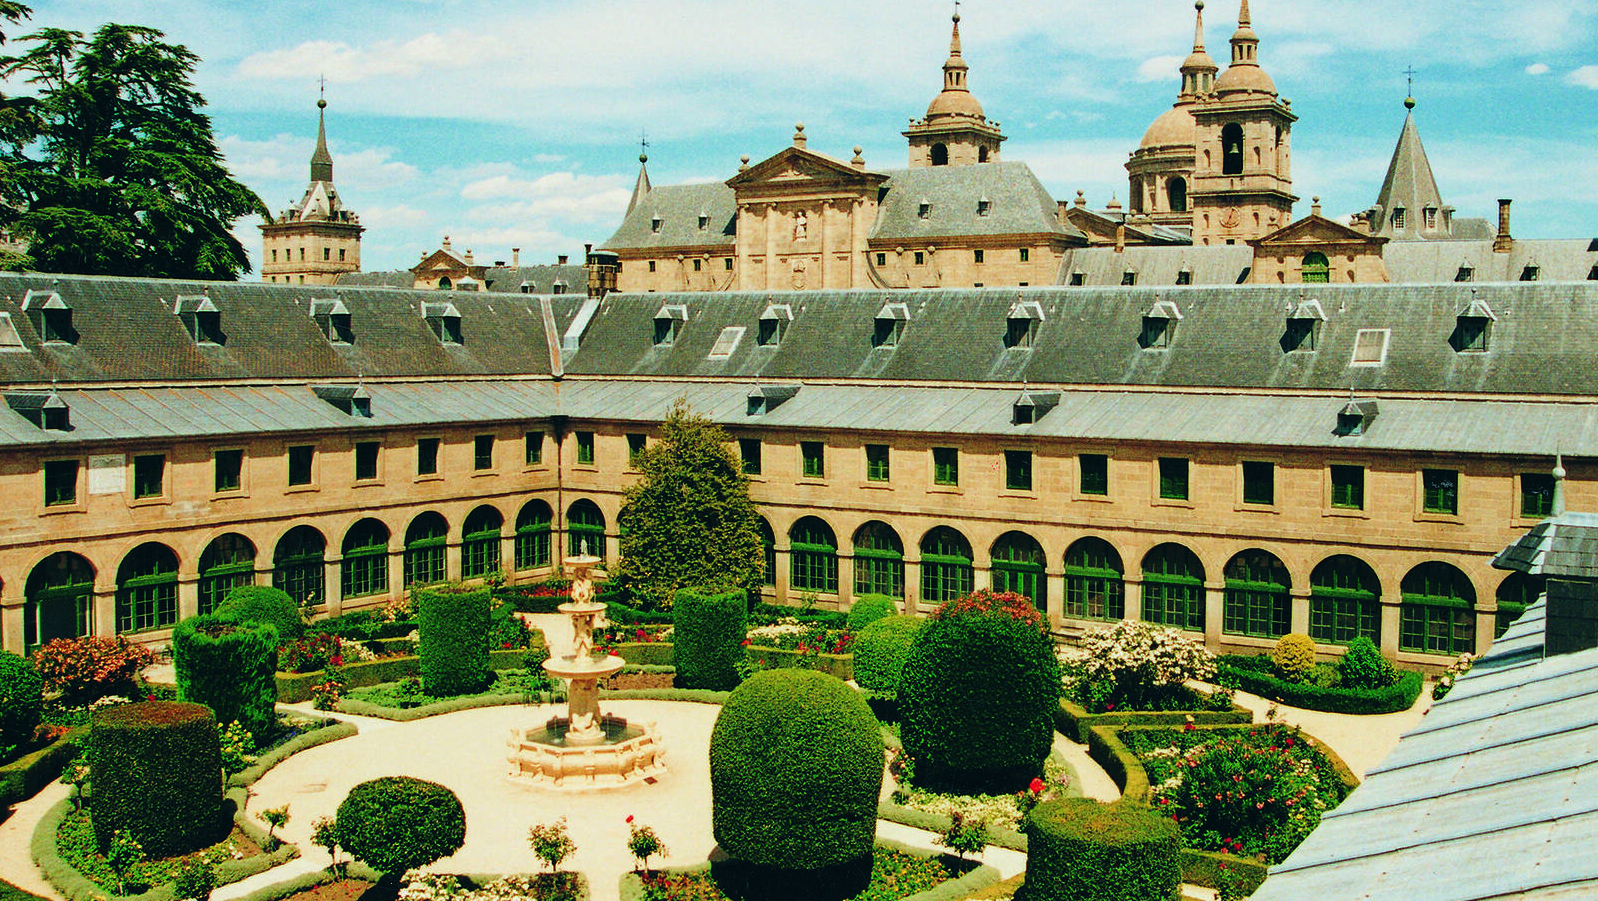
x,y
483,452
60,482
585,448
365,460
1026,254
945,466
1095,474
635,447
920,258
882,259
651,265
698,265
149,472
341,256
327,254
426,456
229,466
1348,487
1173,478
749,450
301,456
1018,470
1536,494
876,463
1440,490
1259,483
813,459
533,448
976,256
727,264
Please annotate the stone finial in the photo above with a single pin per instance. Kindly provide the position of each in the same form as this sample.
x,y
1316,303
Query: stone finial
x,y
446,242
1315,206
1559,485
743,162
1081,200
799,139
859,161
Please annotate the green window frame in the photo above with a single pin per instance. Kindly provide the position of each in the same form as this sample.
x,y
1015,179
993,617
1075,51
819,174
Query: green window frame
x,y
60,483
480,543
227,470
585,523
1173,588
1315,269
426,456
483,452
1174,478
813,557
813,459
636,442
1515,594
1256,601
1536,494
1259,483
59,600
1093,471
947,568
1440,491
149,475
585,448
1348,486
302,460
363,567
366,460
945,466
298,565
877,463
227,563
1437,614
749,453
1018,470
768,543
533,529
1095,587
1344,601
878,561
147,589
1018,566
425,542
533,448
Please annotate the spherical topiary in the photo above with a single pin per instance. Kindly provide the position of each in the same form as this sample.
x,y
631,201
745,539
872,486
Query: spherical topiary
x,y
795,769
452,639
396,823
868,608
228,666
1081,849
978,694
21,699
707,637
1363,666
1293,656
880,649
263,604
156,771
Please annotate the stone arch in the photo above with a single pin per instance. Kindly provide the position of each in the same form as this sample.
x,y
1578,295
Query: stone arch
x,y
813,556
1094,584
948,570
1345,601
480,542
1019,565
1257,600
147,589
1173,587
878,560
425,541
363,560
298,565
227,562
1438,612
58,599
585,523
533,529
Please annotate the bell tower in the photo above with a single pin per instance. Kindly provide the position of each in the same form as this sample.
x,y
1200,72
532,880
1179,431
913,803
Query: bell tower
x,y
315,240
955,131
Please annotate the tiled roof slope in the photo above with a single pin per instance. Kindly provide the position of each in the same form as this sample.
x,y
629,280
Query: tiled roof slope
x,y
1562,546
1217,264
1543,341
678,207
498,279
128,333
1019,204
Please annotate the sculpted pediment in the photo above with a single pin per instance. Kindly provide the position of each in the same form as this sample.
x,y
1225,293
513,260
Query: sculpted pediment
x,y
1312,230
795,165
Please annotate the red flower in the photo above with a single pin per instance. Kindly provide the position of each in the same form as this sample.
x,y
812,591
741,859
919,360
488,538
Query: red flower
x,y
629,818
1036,787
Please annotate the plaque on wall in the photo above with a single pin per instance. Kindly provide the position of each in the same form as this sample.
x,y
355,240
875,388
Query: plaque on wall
x,y
108,473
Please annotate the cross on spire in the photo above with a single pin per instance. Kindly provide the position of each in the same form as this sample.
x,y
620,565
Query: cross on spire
x,y
1409,74
957,10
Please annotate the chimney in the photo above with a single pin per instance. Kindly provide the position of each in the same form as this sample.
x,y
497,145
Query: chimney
x,y
561,260
516,257
1120,237
1503,243
799,140
469,260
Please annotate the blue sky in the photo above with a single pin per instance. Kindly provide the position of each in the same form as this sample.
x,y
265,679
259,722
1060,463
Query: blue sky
x,y
516,124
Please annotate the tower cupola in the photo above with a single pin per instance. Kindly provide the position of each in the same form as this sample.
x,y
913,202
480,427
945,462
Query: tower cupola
x,y
955,131
1244,75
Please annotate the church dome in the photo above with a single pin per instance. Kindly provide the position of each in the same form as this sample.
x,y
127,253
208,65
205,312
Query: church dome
x,y
1174,127
954,103
1239,79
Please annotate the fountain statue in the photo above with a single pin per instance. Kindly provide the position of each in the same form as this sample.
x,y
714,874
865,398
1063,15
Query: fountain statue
x,y
585,749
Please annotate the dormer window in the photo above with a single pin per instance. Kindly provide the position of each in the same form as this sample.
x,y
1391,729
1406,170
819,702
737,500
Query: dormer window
x,y
1021,325
1159,325
984,206
527,287
1185,276
1303,327
52,317
1398,217
1592,274
765,398
333,318
726,342
1355,418
1472,328
1032,405
704,220
44,409
445,321
1129,278
924,209
668,322
559,287
1465,274
350,399
773,323
1370,347
200,318
890,325
1530,273
10,340
654,225
1430,214
1078,279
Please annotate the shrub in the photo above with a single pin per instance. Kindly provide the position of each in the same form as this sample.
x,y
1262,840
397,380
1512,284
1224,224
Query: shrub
x,y
707,637
1363,666
1293,656
84,670
263,604
156,773
310,653
195,881
795,769
506,630
21,700
1137,666
397,823
978,693
880,650
1081,849
551,843
229,666
868,608
1257,675
453,639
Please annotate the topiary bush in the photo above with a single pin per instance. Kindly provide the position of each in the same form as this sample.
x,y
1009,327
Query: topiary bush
x,y
397,823
229,666
21,700
80,671
1081,849
795,769
1363,666
868,608
156,771
263,604
880,650
707,637
978,693
452,639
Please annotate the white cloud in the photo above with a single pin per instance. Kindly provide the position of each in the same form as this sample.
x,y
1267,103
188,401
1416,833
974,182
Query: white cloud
x,y
564,195
342,63
395,216
372,168
1585,77
1159,68
1537,69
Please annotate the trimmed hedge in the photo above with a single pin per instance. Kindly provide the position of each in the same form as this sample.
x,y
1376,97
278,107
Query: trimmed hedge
x,y
796,764
645,653
263,604
21,699
1255,676
295,688
1088,851
1118,761
938,823
840,665
156,773
880,650
1204,868
832,619
397,823
364,625
1074,722
452,621
707,637
868,608
22,778
228,666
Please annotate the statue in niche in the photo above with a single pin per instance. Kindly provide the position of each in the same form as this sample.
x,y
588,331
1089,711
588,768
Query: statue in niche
x,y
801,226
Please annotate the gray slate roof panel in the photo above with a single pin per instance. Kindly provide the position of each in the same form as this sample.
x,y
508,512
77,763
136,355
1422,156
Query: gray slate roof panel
x,y
679,207
1020,203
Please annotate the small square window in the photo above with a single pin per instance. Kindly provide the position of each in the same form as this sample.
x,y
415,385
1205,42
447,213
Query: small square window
x,y
1018,470
1348,487
426,456
1471,334
60,483
698,265
977,256
366,460
651,265
533,448
1185,277
727,264
483,452
635,448
229,466
749,451
813,459
945,466
1128,278
1530,273
877,463
301,457
1026,254
1078,279
882,259
585,448
1156,333
1465,274
1173,478
1440,491
149,475
1095,474
1536,494
1259,483
984,207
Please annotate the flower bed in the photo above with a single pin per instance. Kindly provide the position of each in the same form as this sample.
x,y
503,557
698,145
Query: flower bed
x,y
294,688
537,597
408,693
1255,675
1075,722
898,873
1001,814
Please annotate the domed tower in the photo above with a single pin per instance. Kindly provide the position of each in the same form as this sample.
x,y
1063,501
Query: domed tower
x,y
1242,177
317,239
1161,169
955,131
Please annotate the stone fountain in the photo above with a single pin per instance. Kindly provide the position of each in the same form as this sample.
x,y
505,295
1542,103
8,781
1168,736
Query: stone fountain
x,y
585,748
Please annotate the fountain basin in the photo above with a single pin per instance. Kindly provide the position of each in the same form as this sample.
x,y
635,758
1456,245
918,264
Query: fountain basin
x,y
627,754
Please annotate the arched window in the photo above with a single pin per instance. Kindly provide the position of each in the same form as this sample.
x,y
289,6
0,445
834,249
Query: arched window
x,y
480,543
1176,194
768,542
532,536
1232,149
297,565
1438,614
424,549
1018,566
940,154
443,283
878,561
363,571
1316,269
1173,588
227,563
59,600
1134,195
585,529
947,571
1344,601
1093,585
982,154
813,556
1515,594
1256,601
147,589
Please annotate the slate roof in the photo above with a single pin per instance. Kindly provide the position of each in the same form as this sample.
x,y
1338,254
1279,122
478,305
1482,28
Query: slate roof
x,y
1019,204
1565,545
1218,264
498,279
679,207
1409,184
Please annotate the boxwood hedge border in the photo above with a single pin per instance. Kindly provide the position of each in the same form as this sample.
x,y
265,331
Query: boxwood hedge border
x,y
1394,698
932,822
295,688
1074,722
23,777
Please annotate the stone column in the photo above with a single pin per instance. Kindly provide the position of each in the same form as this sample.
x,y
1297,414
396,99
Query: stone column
x,y
396,573
1486,624
845,580
1214,612
981,577
1298,616
771,248
783,580
452,559
188,594
912,584
507,555
1054,587
826,245
332,587
1391,621
1132,589
105,606
746,235
13,624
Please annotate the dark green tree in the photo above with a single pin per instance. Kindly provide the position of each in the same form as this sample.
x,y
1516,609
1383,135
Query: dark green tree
x,y
109,167
689,520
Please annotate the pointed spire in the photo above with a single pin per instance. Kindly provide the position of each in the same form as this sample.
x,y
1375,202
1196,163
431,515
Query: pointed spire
x,y
955,68
1245,43
1409,184
642,187
1198,70
321,160
1244,74
1198,27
